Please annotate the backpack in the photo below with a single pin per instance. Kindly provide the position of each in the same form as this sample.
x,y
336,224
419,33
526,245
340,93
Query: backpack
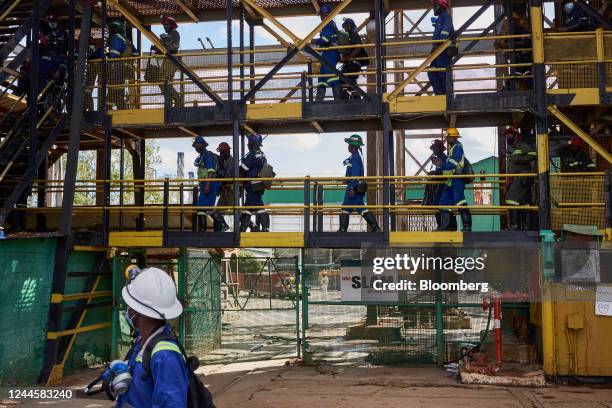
x,y
267,171
467,169
199,395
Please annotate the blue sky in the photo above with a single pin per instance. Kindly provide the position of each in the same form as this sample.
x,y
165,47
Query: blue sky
x,y
311,154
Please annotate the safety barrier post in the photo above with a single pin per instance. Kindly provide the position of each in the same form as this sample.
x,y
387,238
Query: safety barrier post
x,y
310,83
182,281
319,201
297,309
306,211
303,88
181,203
450,88
304,301
165,214
608,200
601,65
439,321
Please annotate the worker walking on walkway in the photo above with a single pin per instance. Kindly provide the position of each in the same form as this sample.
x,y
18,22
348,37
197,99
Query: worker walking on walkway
x,y
443,28
354,58
120,47
575,158
327,38
355,189
454,189
159,373
207,165
171,39
226,171
250,167
521,159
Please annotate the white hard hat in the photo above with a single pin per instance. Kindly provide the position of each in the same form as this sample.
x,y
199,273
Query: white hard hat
x,y
152,293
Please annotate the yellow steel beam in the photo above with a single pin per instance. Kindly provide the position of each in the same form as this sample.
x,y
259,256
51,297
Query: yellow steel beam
x,y
56,335
264,13
399,88
600,43
548,330
137,117
136,239
581,96
580,133
417,104
187,10
404,237
90,248
9,10
272,240
537,36
274,111
274,34
59,297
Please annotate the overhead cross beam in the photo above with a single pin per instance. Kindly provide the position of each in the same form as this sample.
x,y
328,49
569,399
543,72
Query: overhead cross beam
x,y
124,9
594,14
297,46
438,51
580,133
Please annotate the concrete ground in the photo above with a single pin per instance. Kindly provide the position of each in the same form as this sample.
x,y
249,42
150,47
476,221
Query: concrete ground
x,y
274,384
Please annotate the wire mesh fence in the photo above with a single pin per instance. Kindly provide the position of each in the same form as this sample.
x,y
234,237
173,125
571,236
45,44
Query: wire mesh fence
x,y
577,200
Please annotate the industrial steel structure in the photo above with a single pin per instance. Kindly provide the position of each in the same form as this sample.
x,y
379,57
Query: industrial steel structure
x,y
109,104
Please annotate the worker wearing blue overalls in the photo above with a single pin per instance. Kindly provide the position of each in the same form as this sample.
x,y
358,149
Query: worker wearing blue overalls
x,y
51,68
327,38
120,47
250,167
443,28
206,163
454,189
151,301
439,160
354,195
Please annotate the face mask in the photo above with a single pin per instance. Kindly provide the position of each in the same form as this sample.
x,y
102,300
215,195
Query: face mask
x,y
129,319
53,25
199,149
437,10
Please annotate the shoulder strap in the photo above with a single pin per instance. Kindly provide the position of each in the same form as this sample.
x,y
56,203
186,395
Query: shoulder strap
x,y
146,354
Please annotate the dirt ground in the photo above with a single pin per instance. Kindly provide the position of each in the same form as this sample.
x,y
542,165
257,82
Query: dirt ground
x,y
274,384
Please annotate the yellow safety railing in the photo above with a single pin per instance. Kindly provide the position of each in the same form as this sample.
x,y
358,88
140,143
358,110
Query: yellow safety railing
x,y
577,198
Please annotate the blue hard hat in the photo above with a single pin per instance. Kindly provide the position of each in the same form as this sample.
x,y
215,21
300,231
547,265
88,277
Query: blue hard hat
x,y
255,138
199,140
350,22
325,9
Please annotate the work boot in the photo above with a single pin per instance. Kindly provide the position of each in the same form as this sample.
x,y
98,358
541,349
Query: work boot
x,y
263,220
253,227
466,220
321,91
525,220
219,222
438,220
337,92
245,221
344,222
445,220
514,221
371,220
201,217
453,222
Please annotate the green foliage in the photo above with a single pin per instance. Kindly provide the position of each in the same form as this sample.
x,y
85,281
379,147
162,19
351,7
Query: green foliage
x,y
247,263
86,170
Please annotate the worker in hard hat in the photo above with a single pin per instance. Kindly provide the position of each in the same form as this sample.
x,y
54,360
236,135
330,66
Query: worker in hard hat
x,y
206,163
327,38
520,158
443,28
226,171
354,59
250,167
454,189
355,189
150,296
433,191
118,70
171,40
575,158
95,51
576,19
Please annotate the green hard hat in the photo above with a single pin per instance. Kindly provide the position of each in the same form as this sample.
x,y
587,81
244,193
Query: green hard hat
x,y
118,25
354,140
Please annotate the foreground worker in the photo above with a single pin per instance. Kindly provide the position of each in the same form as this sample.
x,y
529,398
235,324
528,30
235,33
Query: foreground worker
x,y
206,162
226,170
250,166
433,192
521,159
575,158
171,39
120,47
327,38
355,189
443,28
453,192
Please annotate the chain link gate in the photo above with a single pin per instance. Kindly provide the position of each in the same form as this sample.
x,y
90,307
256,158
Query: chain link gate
x,y
239,308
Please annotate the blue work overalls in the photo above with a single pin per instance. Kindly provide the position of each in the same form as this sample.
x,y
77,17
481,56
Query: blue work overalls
x,y
207,163
252,164
439,187
167,383
454,189
327,38
443,28
354,168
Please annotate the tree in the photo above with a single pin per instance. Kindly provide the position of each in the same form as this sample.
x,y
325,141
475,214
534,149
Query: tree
x,y
86,171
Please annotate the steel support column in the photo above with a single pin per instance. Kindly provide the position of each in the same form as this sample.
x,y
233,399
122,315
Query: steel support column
x,y
34,78
64,243
386,154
